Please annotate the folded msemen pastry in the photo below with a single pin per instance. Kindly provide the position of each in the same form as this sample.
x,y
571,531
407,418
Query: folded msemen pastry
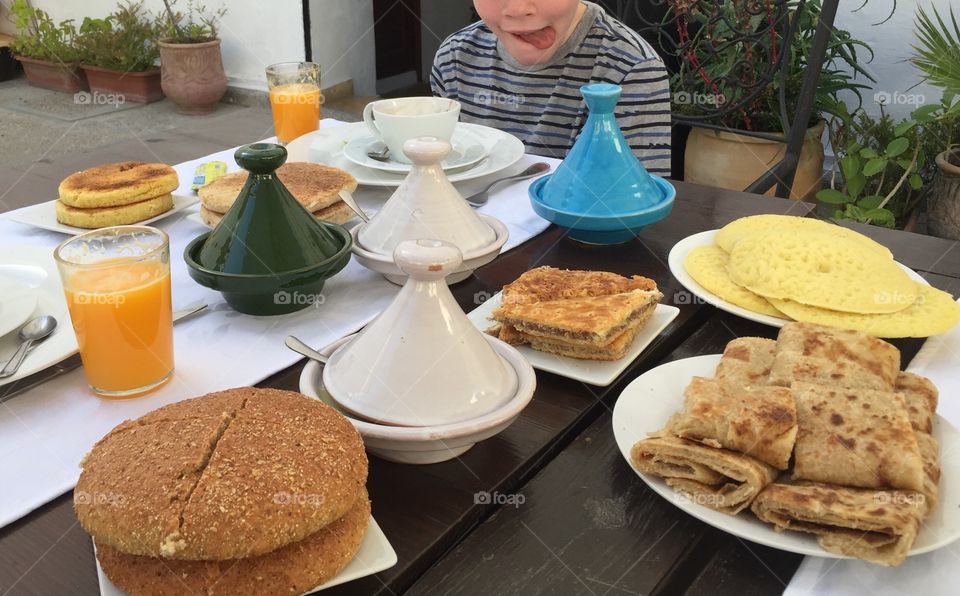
x,y
855,437
832,356
747,361
758,421
874,525
717,478
921,396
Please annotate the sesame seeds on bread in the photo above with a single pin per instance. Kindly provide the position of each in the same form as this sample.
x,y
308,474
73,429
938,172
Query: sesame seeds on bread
x,y
233,474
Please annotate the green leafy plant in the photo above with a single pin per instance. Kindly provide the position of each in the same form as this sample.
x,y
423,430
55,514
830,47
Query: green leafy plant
x,y
938,58
126,40
40,38
196,25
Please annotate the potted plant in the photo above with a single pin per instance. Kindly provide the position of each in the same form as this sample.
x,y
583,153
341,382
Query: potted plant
x,y
120,54
938,57
190,63
46,50
735,47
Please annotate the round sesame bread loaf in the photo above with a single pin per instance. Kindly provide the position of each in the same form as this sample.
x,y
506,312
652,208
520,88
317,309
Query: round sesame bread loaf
x,y
115,184
338,213
232,474
101,217
315,186
292,569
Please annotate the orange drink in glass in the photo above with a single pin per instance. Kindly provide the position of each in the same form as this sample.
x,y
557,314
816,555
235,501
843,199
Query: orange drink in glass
x,y
294,98
117,285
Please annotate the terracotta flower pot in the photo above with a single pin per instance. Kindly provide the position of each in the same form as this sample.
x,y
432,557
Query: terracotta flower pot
x,y
943,204
54,75
734,161
138,87
193,75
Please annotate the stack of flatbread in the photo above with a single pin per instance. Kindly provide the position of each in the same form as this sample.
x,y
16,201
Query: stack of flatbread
x,y
592,315
116,194
317,187
816,432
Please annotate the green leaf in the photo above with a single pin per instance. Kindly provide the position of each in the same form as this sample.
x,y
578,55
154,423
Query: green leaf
x,y
855,185
868,153
925,113
897,146
915,181
832,196
873,166
904,127
905,164
880,217
850,166
870,201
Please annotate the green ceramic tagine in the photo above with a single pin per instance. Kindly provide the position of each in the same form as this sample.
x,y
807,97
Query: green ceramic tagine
x,y
268,255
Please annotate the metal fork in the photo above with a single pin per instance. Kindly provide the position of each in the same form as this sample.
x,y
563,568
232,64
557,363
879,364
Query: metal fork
x,y
479,199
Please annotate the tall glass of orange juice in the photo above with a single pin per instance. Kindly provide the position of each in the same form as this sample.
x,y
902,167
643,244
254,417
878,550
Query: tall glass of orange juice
x,y
294,98
117,284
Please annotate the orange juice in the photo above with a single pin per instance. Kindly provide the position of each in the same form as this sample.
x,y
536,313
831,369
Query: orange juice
x,y
123,320
296,110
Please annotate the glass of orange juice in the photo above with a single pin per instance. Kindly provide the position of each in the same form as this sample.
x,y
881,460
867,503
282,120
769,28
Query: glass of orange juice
x,y
117,284
294,98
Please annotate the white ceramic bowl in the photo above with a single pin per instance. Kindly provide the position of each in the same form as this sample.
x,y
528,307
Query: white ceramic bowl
x,y
431,444
385,265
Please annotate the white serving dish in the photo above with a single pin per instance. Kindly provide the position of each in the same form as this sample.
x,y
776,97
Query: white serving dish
x,y
44,215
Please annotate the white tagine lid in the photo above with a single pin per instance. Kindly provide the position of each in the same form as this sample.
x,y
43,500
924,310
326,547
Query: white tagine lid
x,y
421,362
426,205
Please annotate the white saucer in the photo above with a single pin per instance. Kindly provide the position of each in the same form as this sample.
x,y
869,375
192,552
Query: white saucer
x,y
17,301
467,151
326,145
44,215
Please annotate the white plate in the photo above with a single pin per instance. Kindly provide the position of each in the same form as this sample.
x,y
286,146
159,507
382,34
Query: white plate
x,y
466,151
374,556
34,266
17,301
594,372
647,403
326,146
44,215
679,252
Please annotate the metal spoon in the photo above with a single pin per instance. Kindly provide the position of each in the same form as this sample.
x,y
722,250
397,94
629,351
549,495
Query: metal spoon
x,y
479,199
382,155
304,350
35,330
347,198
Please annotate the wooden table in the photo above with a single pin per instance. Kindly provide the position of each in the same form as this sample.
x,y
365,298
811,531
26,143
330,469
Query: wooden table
x,y
587,523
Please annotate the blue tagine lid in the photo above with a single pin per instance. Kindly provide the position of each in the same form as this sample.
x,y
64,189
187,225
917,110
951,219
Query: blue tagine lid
x,y
601,191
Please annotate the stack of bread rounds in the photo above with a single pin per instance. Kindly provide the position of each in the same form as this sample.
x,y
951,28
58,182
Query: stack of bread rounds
x,y
315,186
116,194
817,272
244,491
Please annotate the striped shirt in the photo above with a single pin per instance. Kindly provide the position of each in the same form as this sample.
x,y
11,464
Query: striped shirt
x,y
542,105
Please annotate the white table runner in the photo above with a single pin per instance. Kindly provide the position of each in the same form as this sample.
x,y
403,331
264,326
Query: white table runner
x,y
46,431
932,574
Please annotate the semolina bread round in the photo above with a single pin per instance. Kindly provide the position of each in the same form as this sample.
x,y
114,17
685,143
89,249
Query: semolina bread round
x,y
229,475
315,185
338,213
102,217
292,569
115,184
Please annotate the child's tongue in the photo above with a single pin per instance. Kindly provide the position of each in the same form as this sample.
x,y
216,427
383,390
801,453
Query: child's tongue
x,y
540,39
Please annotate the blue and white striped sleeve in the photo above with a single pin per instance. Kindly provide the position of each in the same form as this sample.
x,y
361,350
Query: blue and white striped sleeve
x,y
643,113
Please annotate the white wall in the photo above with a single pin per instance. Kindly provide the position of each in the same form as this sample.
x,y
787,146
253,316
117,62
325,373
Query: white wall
x,y
891,43
254,33
341,35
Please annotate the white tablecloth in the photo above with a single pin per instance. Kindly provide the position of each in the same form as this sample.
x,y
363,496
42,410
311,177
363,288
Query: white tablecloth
x,y
932,574
46,431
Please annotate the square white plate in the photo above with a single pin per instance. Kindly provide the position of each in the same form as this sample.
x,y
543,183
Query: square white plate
x,y
374,556
44,215
594,372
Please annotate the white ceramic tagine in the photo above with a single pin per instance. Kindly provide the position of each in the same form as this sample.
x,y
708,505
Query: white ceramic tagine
x,y
426,205
421,362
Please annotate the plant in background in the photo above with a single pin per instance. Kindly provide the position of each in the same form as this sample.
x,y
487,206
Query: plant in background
x,y
938,58
125,41
196,25
733,56
40,38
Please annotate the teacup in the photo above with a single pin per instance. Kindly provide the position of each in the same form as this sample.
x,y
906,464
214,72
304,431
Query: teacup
x,y
394,121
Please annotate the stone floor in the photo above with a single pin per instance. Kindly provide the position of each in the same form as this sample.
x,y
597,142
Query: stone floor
x,y
39,128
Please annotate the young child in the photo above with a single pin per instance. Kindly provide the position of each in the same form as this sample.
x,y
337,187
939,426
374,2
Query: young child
x,y
521,68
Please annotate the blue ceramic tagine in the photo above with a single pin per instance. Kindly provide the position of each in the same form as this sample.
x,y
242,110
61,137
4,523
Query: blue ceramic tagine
x,y
601,192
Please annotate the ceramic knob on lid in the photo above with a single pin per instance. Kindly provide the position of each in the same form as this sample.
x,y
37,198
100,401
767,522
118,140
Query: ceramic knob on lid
x,y
421,362
426,205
